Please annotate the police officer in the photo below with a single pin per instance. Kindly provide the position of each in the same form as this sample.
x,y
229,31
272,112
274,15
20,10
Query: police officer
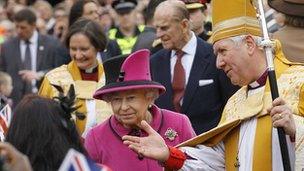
x,y
124,36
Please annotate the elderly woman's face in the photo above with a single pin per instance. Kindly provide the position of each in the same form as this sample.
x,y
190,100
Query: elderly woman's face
x,y
82,51
130,107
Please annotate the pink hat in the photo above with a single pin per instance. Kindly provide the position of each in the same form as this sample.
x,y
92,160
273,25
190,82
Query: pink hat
x,y
128,73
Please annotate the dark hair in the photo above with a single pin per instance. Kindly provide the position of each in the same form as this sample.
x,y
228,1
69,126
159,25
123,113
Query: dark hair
x,y
296,21
91,29
150,9
27,15
77,10
37,130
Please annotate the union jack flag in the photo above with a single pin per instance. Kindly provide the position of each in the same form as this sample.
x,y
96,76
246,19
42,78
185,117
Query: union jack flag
x,y
5,120
76,161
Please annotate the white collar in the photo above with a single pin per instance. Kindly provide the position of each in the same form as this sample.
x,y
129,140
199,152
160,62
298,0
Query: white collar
x,y
34,38
188,48
254,84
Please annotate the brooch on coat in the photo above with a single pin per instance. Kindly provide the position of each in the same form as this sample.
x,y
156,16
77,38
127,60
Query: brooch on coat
x,y
171,134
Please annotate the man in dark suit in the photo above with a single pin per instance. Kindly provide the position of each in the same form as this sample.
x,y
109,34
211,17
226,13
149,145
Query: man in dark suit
x,y
194,85
28,56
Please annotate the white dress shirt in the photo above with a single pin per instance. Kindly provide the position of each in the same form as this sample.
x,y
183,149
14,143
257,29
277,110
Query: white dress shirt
x,y
33,48
189,52
187,60
213,158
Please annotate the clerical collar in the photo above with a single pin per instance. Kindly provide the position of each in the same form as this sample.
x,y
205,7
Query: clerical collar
x,y
259,82
90,70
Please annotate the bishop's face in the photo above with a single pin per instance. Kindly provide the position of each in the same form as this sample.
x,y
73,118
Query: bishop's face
x,y
82,51
233,59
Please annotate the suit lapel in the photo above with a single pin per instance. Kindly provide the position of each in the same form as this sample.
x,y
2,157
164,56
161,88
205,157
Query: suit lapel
x,y
198,67
163,74
40,52
17,54
166,73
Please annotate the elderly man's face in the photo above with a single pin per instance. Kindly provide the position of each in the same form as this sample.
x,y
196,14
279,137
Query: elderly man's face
x,y
233,59
130,107
169,30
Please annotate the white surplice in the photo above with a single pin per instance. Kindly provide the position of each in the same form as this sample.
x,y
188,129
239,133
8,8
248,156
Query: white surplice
x,y
203,158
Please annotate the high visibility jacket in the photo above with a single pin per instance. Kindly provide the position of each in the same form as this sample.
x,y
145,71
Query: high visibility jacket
x,y
125,43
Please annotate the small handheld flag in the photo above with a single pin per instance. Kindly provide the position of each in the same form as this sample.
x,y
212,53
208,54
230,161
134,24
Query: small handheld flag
x,y
76,161
5,120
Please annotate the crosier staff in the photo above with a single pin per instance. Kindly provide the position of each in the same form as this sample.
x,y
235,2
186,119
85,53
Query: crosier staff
x,y
267,45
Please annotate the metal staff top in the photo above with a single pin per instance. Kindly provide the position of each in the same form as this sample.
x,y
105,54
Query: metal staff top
x,y
266,42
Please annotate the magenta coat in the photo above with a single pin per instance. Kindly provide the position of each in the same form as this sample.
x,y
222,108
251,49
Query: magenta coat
x,y
104,145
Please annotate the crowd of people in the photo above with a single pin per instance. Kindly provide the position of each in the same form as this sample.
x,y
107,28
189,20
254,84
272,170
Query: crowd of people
x,y
150,84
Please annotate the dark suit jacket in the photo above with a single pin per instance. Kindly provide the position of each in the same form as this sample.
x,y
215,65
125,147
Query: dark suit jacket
x,y
112,50
202,104
10,61
145,39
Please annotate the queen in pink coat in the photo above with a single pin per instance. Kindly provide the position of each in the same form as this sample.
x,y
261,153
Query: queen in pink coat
x,y
131,93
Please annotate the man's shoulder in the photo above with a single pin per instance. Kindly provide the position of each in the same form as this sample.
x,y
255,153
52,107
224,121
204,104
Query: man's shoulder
x,y
204,47
163,53
204,52
44,36
203,42
8,43
50,40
